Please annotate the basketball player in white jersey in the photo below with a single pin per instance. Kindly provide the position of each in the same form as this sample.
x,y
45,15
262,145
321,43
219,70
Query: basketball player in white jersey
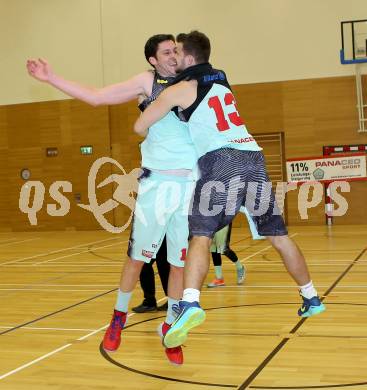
x,y
230,156
160,163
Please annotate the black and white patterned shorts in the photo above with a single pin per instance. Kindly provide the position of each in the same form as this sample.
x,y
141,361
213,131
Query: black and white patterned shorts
x,y
229,179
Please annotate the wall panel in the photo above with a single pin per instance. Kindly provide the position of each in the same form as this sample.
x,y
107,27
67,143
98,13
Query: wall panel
x,y
27,130
310,113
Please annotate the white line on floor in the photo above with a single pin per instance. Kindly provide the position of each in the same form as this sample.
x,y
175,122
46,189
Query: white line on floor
x,y
65,265
55,329
30,289
19,242
58,285
8,240
55,351
78,253
57,251
264,249
43,357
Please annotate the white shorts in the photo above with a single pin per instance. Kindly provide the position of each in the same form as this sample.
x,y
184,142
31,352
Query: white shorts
x,y
161,209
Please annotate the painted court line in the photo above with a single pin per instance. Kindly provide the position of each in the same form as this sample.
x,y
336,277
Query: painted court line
x,y
338,263
275,263
55,351
244,286
59,285
78,253
57,251
35,361
8,240
19,242
54,329
54,265
224,290
264,249
29,289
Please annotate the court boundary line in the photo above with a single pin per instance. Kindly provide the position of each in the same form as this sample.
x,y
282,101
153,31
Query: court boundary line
x,y
79,253
53,329
57,311
18,242
56,251
55,351
246,384
264,249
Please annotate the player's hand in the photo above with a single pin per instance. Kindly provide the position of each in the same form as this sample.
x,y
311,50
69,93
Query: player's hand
x,y
39,69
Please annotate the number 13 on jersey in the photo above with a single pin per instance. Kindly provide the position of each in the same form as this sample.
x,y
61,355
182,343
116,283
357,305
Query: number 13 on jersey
x,y
234,117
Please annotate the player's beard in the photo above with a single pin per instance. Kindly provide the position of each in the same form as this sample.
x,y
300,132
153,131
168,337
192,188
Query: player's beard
x,y
180,68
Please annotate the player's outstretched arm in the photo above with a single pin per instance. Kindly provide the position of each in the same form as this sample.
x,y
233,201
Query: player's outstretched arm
x,y
113,94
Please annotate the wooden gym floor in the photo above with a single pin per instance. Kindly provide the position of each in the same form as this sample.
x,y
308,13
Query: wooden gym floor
x,y
58,289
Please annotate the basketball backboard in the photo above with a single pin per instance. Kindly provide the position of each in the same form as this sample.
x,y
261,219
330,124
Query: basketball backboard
x,y
354,42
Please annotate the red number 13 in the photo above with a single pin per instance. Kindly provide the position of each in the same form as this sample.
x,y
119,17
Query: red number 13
x,y
234,117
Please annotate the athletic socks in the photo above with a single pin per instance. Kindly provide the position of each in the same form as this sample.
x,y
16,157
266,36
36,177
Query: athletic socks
x,y
308,290
122,301
238,265
218,272
191,295
172,310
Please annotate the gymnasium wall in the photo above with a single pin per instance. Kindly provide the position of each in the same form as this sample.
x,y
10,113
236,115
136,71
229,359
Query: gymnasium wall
x,y
311,113
26,131
99,42
254,40
66,32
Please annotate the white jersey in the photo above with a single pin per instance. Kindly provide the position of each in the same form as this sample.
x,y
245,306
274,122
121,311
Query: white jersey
x,y
213,119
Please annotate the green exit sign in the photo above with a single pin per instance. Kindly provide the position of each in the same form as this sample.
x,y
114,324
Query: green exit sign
x,y
87,149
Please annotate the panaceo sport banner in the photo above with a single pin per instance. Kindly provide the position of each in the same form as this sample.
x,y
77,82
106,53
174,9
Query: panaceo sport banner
x,y
342,167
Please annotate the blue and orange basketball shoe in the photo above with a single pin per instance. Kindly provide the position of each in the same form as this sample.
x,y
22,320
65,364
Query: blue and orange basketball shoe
x,y
311,307
191,315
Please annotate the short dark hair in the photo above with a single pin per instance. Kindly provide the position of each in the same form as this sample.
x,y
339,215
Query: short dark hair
x,y
197,44
151,47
